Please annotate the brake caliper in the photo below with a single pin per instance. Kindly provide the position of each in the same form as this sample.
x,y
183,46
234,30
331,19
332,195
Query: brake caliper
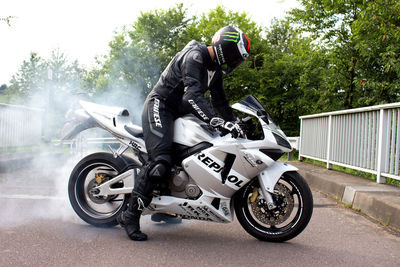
x,y
100,178
254,195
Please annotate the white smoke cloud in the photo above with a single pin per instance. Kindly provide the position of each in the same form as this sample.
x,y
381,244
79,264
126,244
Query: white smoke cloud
x,y
38,189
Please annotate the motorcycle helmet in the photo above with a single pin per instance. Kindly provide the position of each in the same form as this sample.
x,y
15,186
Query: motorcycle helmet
x,y
231,47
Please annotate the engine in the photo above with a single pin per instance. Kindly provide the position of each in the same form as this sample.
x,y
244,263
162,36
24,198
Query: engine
x,y
183,186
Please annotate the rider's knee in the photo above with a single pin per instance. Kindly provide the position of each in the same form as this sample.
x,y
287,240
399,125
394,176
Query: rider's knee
x,y
159,170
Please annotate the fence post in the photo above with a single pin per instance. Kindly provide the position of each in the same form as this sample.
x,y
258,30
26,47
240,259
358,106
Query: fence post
x,y
328,144
381,146
300,137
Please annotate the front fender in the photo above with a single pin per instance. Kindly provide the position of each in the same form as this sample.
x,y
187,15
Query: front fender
x,y
270,176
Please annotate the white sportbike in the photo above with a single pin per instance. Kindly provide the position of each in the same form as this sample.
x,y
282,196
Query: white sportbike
x,y
214,175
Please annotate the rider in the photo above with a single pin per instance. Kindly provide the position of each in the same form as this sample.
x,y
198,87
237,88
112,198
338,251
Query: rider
x,y
180,90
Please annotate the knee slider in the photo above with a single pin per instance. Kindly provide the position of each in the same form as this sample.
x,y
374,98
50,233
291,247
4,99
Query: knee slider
x,y
160,170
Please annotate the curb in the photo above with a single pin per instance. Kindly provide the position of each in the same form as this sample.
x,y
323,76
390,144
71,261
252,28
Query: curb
x,y
378,201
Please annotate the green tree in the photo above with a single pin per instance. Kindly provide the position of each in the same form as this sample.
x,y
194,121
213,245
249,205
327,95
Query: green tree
x,y
140,52
7,20
361,41
47,83
332,23
291,76
377,35
164,31
3,96
38,78
29,78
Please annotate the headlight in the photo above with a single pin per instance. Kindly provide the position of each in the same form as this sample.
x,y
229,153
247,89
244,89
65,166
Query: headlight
x,y
282,141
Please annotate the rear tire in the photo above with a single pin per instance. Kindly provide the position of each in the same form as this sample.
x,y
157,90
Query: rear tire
x,y
294,202
97,211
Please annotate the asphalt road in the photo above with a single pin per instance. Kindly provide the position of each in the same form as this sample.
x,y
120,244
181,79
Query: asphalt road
x,y
39,228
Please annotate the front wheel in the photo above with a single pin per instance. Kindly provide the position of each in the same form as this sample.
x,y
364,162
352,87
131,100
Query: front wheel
x,y
294,206
90,172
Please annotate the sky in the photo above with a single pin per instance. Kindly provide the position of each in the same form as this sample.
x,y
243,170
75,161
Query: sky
x,y
82,29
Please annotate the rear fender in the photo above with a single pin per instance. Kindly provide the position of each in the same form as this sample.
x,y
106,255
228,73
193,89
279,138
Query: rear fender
x,y
79,127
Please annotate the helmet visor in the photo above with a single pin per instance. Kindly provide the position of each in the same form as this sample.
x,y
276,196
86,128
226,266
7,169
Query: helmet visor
x,y
231,66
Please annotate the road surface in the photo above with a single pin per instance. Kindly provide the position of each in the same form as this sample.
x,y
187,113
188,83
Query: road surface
x,y
39,228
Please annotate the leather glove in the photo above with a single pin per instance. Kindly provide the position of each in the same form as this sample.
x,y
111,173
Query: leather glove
x,y
217,122
234,129
228,127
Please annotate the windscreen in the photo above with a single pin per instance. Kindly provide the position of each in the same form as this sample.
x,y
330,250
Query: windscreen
x,y
252,103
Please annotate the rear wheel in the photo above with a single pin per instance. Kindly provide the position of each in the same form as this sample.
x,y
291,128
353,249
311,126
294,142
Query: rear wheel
x,y
90,172
294,206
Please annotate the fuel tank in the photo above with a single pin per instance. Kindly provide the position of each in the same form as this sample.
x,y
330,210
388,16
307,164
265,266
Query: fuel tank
x,y
190,131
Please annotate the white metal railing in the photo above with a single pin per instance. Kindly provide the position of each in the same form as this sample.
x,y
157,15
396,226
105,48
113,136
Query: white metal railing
x,y
81,145
365,139
294,142
19,126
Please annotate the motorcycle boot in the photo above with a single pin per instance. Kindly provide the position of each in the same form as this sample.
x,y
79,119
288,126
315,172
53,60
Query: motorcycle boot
x,y
130,219
141,198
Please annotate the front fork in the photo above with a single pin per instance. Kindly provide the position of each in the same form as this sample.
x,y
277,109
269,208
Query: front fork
x,y
268,198
269,177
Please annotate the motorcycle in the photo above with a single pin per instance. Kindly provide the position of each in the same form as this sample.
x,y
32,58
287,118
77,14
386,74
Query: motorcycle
x,y
214,177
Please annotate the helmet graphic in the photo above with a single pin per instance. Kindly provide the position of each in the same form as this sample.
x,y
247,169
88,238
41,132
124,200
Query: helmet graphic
x,y
231,47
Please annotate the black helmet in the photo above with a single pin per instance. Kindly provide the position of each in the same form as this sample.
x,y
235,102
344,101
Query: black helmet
x,y
231,47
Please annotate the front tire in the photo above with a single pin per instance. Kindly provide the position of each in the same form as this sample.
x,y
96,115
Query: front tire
x,y
89,172
294,202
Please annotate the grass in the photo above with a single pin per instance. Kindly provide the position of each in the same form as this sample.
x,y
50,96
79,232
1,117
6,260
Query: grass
x,y
295,156
393,182
349,206
367,175
356,209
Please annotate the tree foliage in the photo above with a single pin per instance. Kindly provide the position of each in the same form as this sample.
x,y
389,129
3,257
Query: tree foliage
x,y
377,36
39,80
361,38
49,84
30,76
332,23
291,75
7,20
141,51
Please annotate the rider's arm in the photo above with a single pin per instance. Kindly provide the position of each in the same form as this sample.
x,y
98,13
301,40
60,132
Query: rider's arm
x,y
194,74
218,98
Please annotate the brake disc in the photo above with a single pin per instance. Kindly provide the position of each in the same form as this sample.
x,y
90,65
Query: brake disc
x,y
284,206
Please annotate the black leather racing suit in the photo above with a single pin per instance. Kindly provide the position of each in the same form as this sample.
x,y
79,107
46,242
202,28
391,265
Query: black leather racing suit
x,y
185,80
179,91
